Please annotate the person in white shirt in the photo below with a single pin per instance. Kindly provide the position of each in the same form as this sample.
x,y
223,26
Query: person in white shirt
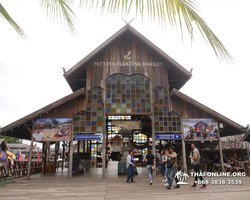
x,y
39,135
130,166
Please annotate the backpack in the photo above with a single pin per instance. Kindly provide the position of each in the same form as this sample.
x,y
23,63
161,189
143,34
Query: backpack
x,y
171,162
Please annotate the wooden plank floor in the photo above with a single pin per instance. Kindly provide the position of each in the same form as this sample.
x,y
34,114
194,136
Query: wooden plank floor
x,y
90,186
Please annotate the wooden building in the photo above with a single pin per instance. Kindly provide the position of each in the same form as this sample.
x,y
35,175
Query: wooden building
x,y
126,78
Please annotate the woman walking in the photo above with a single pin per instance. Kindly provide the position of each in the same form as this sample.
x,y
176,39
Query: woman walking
x,y
130,166
150,163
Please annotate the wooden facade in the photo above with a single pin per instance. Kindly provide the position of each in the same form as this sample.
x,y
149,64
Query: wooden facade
x,y
115,52
128,54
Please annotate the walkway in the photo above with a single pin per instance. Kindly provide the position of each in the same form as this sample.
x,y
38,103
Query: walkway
x,y
91,187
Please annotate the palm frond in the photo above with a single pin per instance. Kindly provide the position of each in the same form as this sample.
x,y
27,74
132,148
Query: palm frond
x,y
177,13
61,9
6,16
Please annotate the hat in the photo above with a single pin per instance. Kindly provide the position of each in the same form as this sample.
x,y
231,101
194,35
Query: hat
x,y
40,126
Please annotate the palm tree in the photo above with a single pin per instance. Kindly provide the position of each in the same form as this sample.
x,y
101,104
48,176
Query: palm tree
x,y
185,176
176,13
179,175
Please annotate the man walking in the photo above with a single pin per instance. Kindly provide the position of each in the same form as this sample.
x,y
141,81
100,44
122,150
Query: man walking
x,y
172,165
196,164
130,167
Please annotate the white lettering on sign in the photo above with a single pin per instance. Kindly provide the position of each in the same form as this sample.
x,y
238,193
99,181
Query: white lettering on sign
x,y
128,64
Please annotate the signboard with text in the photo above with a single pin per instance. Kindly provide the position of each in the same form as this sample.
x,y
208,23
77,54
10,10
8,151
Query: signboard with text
x,y
168,137
88,137
128,125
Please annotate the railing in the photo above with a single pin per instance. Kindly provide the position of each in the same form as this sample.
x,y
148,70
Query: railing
x,y
19,170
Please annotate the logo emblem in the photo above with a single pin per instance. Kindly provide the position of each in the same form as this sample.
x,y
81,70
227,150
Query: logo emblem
x,y
127,56
182,177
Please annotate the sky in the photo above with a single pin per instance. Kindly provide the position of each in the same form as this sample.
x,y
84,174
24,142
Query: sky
x,y
31,74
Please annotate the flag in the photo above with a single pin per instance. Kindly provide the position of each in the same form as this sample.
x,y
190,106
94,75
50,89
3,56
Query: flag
x,y
28,157
6,157
38,156
19,156
11,156
3,157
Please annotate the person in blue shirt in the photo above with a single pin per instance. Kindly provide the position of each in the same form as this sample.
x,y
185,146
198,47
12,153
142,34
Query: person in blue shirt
x,y
130,166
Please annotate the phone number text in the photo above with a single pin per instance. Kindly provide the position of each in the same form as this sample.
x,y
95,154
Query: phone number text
x,y
220,182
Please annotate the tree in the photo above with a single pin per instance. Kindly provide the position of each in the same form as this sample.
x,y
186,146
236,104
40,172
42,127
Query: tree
x,y
11,139
168,13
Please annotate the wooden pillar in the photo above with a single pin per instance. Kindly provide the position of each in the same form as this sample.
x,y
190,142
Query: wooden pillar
x,y
84,141
45,159
70,158
184,154
153,125
63,156
57,147
48,144
43,152
104,133
248,152
30,161
78,156
221,156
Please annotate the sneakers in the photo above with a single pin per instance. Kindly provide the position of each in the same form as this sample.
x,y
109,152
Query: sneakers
x,y
168,187
193,186
166,184
163,181
151,182
204,186
177,186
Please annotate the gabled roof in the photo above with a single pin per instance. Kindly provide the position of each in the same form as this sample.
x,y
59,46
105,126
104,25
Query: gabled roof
x,y
247,136
130,29
3,145
43,110
217,115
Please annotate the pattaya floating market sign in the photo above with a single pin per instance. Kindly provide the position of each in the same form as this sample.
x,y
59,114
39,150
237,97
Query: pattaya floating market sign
x,y
128,125
128,64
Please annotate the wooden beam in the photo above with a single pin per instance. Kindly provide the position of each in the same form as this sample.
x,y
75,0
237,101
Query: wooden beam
x,y
28,129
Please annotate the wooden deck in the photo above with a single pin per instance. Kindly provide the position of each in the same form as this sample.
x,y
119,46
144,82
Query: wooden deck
x,y
90,186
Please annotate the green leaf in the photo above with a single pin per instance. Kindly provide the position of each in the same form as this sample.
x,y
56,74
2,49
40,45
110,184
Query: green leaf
x,y
6,15
169,12
61,9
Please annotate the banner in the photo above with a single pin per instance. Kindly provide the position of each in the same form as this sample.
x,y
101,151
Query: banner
x,y
200,129
52,129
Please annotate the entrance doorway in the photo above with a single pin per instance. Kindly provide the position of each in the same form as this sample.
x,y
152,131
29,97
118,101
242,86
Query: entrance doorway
x,y
128,132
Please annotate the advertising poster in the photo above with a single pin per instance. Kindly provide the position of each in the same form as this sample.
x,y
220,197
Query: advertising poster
x,y
200,129
52,129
